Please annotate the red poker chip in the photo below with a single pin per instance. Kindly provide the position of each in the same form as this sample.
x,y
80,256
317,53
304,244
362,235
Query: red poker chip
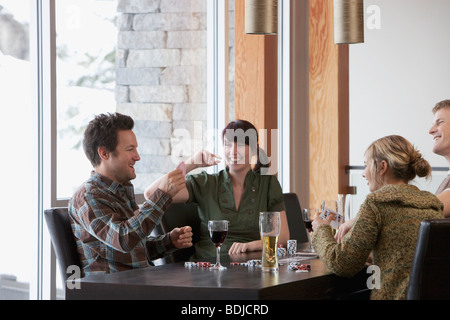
x,y
204,264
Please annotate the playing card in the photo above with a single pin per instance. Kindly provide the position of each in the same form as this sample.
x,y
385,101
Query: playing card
x,y
182,167
337,220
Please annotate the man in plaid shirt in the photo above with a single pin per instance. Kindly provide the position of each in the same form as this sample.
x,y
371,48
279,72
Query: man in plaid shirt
x,y
111,230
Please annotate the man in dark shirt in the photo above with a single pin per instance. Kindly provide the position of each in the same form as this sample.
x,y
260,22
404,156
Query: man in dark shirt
x,y
111,230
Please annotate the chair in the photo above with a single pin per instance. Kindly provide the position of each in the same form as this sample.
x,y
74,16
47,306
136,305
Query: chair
x,y
297,228
180,215
430,277
64,243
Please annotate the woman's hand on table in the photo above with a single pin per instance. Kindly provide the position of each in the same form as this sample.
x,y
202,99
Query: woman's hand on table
x,y
239,247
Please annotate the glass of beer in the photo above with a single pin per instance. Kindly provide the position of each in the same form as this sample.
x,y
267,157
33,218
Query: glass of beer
x,y
269,227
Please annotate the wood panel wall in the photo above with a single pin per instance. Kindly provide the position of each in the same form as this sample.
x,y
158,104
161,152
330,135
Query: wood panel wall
x,y
328,106
319,100
256,81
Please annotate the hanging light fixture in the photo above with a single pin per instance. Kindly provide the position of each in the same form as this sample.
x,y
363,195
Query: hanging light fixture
x,y
261,16
348,21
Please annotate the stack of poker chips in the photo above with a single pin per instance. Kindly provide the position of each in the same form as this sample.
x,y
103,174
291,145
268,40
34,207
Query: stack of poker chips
x,y
291,247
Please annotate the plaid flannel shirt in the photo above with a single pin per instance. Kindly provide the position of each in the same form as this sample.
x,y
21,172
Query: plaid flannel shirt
x,y
111,231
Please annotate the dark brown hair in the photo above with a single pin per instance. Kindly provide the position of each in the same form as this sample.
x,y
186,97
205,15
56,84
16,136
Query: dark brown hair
x,y
243,131
102,132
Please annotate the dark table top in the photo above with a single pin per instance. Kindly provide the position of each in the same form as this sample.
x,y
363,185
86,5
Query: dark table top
x,y
174,281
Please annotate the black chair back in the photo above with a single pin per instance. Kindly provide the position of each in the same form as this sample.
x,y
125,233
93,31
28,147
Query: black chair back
x,y
179,215
297,229
430,277
63,241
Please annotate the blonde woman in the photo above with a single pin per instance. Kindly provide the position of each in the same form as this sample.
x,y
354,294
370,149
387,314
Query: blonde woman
x,y
388,221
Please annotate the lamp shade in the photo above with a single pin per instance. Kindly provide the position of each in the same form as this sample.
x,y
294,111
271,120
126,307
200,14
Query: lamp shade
x,y
348,21
261,16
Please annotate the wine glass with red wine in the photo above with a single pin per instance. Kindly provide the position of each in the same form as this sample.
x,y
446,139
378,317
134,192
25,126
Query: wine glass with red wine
x,y
218,230
308,217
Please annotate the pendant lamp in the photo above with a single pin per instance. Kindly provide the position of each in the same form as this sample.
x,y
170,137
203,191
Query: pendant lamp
x,y
348,21
261,16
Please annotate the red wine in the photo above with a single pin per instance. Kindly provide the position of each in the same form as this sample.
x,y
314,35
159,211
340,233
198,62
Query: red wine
x,y
308,225
218,237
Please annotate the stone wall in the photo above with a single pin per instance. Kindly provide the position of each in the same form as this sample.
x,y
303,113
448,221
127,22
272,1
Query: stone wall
x,y
161,78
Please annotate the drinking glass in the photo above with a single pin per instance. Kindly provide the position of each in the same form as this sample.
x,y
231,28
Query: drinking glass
x,y
269,227
347,206
308,217
218,230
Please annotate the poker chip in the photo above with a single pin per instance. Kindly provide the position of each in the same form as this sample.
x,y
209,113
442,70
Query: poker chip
x,y
204,264
252,263
201,264
190,265
295,266
234,263
282,252
305,267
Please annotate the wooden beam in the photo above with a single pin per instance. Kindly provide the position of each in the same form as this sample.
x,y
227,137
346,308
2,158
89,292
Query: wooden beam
x,y
328,106
256,83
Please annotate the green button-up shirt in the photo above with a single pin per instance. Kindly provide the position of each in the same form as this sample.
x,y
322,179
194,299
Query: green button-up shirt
x,y
215,198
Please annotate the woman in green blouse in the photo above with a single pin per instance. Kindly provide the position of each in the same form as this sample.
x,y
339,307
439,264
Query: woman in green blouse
x,y
388,221
237,194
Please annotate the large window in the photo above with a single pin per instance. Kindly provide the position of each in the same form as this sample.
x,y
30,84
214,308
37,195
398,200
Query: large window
x,y
18,160
86,39
146,60
149,60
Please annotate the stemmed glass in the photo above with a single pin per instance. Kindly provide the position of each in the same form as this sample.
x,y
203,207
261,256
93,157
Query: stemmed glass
x,y
218,230
308,217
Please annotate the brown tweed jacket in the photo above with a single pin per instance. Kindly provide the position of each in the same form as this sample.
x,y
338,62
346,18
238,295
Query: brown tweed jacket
x,y
387,224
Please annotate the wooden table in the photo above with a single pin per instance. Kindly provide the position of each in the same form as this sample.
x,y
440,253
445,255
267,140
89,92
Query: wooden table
x,y
175,282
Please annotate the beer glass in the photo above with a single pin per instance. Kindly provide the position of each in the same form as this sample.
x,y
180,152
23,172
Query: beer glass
x,y
269,227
